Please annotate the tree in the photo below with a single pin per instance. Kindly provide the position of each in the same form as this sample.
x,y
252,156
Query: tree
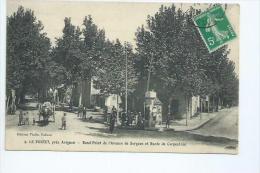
x,y
68,53
111,77
93,51
169,42
172,50
93,48
27,52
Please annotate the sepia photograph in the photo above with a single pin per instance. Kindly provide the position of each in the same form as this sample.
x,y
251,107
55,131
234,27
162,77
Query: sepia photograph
x,y
122,76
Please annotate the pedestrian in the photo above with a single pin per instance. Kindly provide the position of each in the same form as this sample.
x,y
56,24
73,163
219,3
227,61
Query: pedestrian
x,y
128,118
63,122
136,118
20,118
80,111
33,121
112,119
139,120
26,118
84,113
114,109
131,116
106,115
123,118
168,120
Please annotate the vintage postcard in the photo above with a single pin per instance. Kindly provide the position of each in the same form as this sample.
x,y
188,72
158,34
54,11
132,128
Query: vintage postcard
x,y
124,77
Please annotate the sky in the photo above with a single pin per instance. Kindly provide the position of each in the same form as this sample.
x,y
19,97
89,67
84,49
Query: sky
x,y
119,20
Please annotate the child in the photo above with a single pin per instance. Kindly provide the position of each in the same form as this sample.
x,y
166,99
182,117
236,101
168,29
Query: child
x,y
63,122
26,118
20,118
33,121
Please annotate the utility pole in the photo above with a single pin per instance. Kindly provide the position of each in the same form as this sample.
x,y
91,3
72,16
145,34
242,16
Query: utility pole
x,y
126,66
148,87
149,73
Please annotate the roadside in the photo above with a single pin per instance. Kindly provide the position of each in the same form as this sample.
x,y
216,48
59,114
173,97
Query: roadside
x,y
193,123
224,124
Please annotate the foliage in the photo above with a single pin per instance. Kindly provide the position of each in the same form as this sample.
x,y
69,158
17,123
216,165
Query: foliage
x,y
27,53
111,76
179,60
169,47
67,55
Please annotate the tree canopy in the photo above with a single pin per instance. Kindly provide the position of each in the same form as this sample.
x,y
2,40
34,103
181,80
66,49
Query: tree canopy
x,y
171,45
28,50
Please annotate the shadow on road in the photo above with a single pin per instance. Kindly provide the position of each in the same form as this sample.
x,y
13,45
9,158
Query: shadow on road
x,y
180,136
212,139
42,123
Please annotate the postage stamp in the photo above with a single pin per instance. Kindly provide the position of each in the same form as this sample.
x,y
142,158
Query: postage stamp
x,y
214,28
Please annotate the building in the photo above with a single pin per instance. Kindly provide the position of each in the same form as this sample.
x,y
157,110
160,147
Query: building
x,y
181,106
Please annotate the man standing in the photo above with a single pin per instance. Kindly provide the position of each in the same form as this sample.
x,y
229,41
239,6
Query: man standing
x,y
113,109
168,120
112,119
80,111
20,118
84,113
123,118
63,122
26,118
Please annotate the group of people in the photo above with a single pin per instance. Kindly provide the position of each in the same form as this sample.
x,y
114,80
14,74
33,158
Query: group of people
x,y
127,119
24,118
82,112
110,118
131,119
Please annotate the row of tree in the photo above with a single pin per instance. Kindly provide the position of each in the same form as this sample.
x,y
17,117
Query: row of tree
x,y
79,55
169,49
172,50
28,52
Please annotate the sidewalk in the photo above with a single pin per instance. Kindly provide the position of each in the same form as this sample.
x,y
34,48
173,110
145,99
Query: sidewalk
x,y
224,125
193,123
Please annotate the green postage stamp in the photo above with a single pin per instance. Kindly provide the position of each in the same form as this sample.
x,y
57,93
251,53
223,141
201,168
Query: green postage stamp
x,y
214,28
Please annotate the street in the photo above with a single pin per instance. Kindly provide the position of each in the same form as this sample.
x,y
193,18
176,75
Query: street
x,y
95,128
225,124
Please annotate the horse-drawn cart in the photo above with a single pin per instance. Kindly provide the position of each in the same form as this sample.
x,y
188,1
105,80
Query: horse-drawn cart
x,y
46,110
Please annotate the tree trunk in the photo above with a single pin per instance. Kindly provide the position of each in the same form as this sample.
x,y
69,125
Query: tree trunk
x,y
208,106
190,107
169,108
13,106
80,93
219,103
86,93
117,108
186,103
200,108
7,104
58,99
213,104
